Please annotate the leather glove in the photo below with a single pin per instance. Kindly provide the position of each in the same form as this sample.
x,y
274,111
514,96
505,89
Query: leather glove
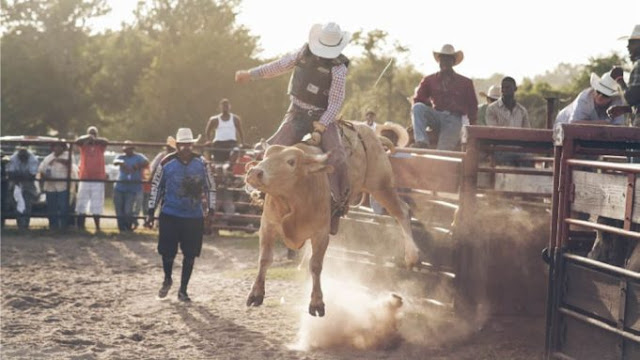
x,y
319,127
242,76
315,139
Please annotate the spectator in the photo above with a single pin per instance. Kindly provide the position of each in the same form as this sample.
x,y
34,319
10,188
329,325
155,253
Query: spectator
x,y
370,119
22,169
317,92
92,169
490,96
590,106
169,147
143,196
631,91
128,187
182,180
506,111
442,100
54,170
228,132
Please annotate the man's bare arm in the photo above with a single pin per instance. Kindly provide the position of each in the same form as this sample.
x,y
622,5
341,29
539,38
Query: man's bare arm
x,y
212,124
238,124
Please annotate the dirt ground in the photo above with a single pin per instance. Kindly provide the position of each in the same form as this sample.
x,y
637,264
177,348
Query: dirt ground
x,y
88,296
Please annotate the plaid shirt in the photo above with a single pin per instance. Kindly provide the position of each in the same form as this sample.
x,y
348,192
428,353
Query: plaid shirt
x,y
287,63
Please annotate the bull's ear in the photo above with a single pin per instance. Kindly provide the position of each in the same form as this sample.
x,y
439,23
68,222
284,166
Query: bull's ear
x,y
316,163
273,149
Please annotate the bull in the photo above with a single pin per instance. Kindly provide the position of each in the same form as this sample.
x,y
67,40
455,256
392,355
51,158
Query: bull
x,y
297,206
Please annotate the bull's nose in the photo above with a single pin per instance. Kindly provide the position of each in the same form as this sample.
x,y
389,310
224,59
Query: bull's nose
x,y
254,175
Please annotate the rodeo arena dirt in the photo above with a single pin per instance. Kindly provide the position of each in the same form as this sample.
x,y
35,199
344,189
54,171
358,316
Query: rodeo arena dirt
x,y
503,227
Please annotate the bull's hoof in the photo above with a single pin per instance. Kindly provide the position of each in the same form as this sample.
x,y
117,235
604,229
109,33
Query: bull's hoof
x,y
316,310
255,300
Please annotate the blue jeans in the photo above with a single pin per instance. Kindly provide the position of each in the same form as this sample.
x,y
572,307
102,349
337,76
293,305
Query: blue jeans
x,y
446,125
123,202
57,209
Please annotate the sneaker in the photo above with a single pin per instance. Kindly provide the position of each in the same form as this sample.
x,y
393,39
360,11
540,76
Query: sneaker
x,y
182,296
164,290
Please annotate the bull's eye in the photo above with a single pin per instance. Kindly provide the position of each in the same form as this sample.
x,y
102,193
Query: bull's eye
x,y
291,162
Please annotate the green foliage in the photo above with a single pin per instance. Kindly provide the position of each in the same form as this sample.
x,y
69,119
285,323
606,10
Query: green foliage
x,y
171,67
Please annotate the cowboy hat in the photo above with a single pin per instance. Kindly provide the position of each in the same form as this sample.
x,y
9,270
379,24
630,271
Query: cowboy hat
x,y
448,49
635,34
184,135
171,141
494,92
403,135
327,40
605,85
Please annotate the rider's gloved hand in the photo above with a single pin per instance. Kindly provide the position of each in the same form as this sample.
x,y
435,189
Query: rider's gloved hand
x,y
316,139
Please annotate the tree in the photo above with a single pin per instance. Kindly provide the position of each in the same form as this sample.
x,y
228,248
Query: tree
x,y
43,71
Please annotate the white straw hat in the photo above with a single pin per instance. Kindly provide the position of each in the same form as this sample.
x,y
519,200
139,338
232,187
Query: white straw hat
x,y
494,92
605,85
635,34
448,49
185,135
327,40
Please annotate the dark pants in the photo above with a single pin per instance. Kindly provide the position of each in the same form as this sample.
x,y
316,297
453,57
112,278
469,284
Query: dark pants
x,y
222,150
123,202
174,231
58,209
23,220
299,122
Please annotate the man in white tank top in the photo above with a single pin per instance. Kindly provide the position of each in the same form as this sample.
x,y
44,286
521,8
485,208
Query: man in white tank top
x,y
224,132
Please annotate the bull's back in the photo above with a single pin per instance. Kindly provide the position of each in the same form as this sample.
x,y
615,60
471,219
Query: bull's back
x,y
373,169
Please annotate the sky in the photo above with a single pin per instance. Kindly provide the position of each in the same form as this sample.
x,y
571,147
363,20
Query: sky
x,y
511,37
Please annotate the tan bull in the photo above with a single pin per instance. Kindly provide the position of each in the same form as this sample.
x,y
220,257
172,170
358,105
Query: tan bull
x,y
297,203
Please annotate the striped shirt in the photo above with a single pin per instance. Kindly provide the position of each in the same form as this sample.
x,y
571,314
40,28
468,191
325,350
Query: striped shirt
x,y
287,63
182,186
499,115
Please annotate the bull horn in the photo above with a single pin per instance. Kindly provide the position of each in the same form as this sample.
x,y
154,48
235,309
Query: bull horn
x,y
319,158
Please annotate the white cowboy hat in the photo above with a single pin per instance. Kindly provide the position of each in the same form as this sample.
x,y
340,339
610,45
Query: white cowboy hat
x,y
185,135
403,135
327,40
605,85
494,92
635,34
448,49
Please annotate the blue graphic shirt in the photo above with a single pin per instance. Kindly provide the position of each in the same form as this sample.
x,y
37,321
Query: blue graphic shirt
x,y
131,170
182,187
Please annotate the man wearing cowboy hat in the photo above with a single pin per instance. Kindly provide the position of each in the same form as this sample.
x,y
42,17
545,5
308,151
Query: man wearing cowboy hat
x,y
590,106
180,182
492,94
442,100
317,91
128,187
632,89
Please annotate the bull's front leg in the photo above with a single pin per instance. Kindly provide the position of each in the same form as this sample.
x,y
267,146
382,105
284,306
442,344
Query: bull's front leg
x,y
267,240
319,245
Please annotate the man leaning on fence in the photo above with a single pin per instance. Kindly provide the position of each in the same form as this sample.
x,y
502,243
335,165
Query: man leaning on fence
x,y
91,193
54,170
129,185
22,169
181,181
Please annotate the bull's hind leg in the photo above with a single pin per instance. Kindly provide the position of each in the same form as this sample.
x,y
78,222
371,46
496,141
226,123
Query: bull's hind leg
x,y
267,240
400,211
319,245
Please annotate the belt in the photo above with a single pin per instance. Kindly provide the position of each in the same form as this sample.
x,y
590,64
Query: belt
x,y
309,112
